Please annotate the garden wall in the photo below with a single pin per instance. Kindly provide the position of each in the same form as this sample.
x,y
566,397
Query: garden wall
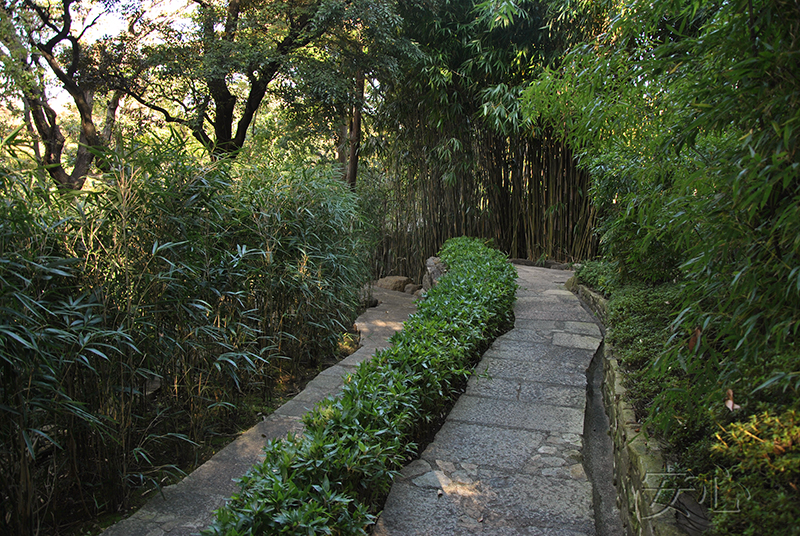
x,y
647,502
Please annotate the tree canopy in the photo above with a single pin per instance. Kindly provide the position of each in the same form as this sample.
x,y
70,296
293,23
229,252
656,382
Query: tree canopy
x,y
40,38
208,68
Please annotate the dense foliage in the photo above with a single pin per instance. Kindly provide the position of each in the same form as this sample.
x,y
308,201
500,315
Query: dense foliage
x,y
163,292
333,477
136,315
460,157
686,113
166,281
432,86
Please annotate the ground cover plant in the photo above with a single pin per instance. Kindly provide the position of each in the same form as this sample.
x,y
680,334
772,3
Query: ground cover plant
x,y
743,462
139,315
333,478
638,316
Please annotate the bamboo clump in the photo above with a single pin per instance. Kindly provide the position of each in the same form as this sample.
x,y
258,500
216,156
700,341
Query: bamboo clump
x,y
525,193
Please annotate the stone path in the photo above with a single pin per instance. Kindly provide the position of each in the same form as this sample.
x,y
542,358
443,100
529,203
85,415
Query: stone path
x,y
187,507
508,460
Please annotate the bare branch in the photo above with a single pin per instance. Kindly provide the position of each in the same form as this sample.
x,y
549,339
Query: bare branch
x,y
76,56
231,21
168,117
90,25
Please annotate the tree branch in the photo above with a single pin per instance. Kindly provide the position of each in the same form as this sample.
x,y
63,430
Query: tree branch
x,y
197,130
231,21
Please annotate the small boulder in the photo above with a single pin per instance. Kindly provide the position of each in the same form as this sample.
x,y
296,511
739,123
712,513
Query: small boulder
x,y
393,282
434,269
555,265
366,297
411,288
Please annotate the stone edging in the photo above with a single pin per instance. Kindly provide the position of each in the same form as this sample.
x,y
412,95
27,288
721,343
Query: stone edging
x,y
639,466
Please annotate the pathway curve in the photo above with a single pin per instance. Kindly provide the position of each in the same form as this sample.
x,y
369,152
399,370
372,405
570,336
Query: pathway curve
x,y
508,460
187,507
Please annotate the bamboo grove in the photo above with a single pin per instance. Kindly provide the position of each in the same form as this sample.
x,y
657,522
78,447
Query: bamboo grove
x,y
461,157
138,315
527,195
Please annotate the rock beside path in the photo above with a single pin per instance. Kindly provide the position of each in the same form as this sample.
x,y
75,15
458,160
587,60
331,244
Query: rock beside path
x,y
412,288
394,282
434,269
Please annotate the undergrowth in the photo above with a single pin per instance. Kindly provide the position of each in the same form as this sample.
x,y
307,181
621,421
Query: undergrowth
x,y
742,449
137,317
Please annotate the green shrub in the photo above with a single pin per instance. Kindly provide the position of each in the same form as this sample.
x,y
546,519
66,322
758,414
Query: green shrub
x,y
284,497
599,275
333,478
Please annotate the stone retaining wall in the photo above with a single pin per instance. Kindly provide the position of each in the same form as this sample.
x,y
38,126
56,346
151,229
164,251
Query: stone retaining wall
x,y
645,501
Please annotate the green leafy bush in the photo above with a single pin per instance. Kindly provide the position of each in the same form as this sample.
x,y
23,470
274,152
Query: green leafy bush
x,y
598,275
334,477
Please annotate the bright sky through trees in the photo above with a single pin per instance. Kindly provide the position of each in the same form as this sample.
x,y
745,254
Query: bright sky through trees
x,y
103,21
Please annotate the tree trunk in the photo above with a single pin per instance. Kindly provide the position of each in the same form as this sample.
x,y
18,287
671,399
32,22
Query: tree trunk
x,y
355,132
341,148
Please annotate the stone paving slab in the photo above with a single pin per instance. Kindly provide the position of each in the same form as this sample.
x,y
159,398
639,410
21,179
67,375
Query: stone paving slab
x,y
542,370
488,506
583,316
513,389
313,394
508,460
547,328
515,350
489,411
187,507
475,444
296,408
571,340
526,336
359,356
246,450
583,328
